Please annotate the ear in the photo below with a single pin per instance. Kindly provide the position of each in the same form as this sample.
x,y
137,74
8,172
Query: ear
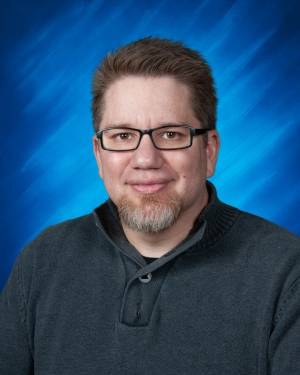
x,y
97,154
212,150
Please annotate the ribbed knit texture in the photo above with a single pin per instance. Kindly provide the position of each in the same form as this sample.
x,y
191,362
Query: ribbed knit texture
x,y
82,301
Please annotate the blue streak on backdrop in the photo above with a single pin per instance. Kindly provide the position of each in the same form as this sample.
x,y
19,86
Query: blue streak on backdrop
x,y
49,54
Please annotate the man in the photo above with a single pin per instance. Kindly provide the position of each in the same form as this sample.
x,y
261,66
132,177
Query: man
x,y
163,278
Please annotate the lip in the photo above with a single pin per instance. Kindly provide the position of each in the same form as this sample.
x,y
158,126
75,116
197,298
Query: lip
x,y
148,187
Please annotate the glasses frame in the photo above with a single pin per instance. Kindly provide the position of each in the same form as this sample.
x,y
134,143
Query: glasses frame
x,y
193,133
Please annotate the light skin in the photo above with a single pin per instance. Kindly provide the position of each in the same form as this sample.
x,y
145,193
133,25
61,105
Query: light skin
x,y
145,103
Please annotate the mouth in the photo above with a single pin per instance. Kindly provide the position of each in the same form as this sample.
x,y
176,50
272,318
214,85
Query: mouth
x,y
148,187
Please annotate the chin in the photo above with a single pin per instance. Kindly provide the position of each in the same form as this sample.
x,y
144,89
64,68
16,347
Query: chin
x,y
150,213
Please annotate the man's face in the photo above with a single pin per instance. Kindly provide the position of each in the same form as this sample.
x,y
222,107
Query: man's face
x,y
154,187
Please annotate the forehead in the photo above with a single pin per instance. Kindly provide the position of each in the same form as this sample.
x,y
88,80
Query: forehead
x,y
147,102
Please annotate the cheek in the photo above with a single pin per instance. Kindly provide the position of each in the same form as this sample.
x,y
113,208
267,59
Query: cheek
x,y
113,166
190,164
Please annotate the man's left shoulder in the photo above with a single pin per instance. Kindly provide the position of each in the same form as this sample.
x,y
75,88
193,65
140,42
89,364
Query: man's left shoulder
x,y
266,233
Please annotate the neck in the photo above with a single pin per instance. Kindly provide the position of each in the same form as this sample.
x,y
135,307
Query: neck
x,y
155,245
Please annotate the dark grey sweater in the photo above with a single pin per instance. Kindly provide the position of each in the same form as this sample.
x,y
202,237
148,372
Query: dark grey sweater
x,y
82,301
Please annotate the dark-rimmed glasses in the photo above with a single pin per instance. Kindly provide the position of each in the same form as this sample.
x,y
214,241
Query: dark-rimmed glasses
x,y
168,137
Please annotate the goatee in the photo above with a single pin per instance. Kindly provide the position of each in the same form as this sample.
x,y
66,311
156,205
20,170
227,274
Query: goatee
x,y
152,213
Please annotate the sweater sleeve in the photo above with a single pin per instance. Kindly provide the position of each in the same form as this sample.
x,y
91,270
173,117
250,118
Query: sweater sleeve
x,y
15,354
284,345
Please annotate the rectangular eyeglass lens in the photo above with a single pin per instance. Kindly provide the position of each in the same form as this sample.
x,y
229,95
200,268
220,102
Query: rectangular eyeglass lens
x,y
171,137
120,139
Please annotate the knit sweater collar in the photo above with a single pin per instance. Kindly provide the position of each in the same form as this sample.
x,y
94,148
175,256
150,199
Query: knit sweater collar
x,y
212,223
218,216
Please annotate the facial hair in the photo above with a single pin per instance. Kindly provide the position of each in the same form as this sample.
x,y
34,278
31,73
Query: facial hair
x,y
152,213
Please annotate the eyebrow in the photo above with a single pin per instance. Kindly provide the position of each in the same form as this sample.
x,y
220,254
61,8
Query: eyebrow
x,y
128,125
118,126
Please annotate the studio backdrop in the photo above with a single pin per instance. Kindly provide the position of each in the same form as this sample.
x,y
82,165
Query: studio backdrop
x,y
49,52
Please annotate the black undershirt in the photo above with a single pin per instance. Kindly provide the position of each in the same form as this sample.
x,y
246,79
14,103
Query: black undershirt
x,y
149,260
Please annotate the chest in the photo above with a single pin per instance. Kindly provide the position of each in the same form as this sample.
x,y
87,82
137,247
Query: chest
x,y
187,318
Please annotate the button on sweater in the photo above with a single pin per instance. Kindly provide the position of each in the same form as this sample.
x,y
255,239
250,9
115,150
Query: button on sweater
x,y
82,301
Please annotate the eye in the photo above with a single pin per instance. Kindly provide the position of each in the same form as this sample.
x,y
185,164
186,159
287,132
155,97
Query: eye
x,y
124,136
171,134
119,135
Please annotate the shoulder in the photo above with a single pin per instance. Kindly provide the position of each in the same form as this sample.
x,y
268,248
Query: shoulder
x,y
268,249
60,241
78,229
258,229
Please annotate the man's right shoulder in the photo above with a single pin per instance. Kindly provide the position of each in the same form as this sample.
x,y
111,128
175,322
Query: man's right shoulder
x,y
62,237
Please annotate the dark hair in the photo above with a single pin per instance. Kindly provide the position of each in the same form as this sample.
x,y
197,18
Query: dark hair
x,y
155,57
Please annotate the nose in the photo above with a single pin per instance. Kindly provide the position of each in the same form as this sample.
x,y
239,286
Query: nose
x,y
146,156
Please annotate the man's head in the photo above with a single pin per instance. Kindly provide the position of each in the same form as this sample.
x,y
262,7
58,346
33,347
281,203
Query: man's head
x,y
140,87
155,57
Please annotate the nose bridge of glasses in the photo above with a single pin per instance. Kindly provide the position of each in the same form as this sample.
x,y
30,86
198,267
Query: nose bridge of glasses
x,y
147,132
146,155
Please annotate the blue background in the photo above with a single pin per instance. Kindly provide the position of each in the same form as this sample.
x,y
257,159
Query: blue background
x,y
49,52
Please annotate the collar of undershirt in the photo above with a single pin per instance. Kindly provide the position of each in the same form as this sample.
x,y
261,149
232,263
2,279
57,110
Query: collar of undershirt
x,y
212,223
